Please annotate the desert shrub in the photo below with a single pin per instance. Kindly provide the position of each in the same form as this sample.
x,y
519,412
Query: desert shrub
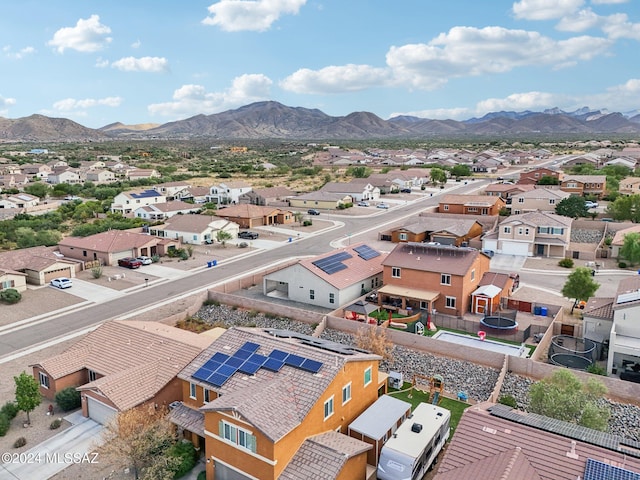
x,y
5,423
566,263
184,255
307,223
155,258
96,272
622,265
10,409
186,453
596,369
10,295
68,399
508,400
55,424
20,442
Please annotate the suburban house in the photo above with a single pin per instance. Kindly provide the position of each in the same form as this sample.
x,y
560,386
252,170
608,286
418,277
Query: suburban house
x,y
100,176
68,175
486,165
141,173
584,159
329,280
533,233
357,191
385,182
628,162
13,180
506,190
19,200
422,277
40,265
629,186
195,229
493,287
173,190
274,196
494,441
121,365
597,324
126,202
542,199
595,185
618,239
533,176
162,211
228,192
471,204
488,223
249,216
38,170
197,194
13,279
438,230
320,199
110,246
271,404
96,164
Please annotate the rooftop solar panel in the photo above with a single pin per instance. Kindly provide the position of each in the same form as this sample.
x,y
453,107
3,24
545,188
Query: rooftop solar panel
x,y
312,366
294,360
226,370
332,263
202,374
220,357
278,354
250,346
235,361
596,470
249,368
212,365
273,364
243,354
217,379
366,252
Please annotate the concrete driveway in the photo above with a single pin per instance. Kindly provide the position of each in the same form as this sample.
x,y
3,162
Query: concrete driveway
x,y
510,263
73,445
90,291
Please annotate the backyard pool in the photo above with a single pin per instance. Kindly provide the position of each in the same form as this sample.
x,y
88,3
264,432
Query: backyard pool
x,y
471,341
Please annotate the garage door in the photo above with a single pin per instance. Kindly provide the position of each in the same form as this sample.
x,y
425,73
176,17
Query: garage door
x,y
118,255
62,272
225,472
99,412
515,248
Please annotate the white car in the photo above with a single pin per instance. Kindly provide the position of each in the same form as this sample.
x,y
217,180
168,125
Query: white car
x,y
591,204
145,260
382,205
61,282
363,204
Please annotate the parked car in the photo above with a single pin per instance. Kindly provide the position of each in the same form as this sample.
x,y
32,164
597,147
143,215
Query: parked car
x,y
382,205
313,211
405,190
129,262
363,204
248,235
589,204
61,282
145,260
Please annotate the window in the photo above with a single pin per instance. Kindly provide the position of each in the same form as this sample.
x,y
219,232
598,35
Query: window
x,y
395,272
328,408
7,284
44,380
507,230
520,231
521,200
445,279
207,395
312,294
424,305
472,209
526,231
403,236
367,376
552,201
450,302
84,253
241,437
445,207
332,298
346,393
192,390
473,274
92,376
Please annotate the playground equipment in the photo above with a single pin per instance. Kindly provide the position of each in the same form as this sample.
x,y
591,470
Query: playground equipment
x,y
482,335
436,389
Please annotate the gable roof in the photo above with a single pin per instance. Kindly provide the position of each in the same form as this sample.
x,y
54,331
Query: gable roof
x,y
173,206
273,192
618,238
190,223
273,402
432,258
109,241
488,222
245,210
585,178
458,226
134,359
34,258
474,200
543,193
539,219
599,307
341,187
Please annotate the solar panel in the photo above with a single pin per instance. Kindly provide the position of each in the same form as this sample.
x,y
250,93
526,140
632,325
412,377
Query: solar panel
x,y
226,370
212,365
333,263
250,346
278,354
217,379
257,358
273,364
366,252
312,366
202,374
235,361
294,360
220,357
249,368
243,354
596,470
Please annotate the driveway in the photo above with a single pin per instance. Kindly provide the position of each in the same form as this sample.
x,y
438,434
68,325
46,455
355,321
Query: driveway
x,y
73,445
91,291
509,263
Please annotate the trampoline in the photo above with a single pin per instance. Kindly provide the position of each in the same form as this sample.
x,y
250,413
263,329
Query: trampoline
x,y
572,352
499,323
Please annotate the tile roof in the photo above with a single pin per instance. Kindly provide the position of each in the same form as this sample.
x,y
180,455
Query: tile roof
x,y
357,269
458,226
341,187
111,241
494,278
488,222
455,199
245,210
35,258
274,402
543,193
322,196
432,258
173,206
585,178
618,238
187,418
190,223
599,307
322,457
508,187
133,359
274,192
540,219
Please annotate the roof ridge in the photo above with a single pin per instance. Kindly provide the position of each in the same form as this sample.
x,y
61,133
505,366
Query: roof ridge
x,y
512,460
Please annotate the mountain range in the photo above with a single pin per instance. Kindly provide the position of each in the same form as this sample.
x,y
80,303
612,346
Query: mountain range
x,y
273,120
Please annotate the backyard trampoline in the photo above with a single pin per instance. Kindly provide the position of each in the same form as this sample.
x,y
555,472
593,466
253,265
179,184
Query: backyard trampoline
x,y
572,352
499,322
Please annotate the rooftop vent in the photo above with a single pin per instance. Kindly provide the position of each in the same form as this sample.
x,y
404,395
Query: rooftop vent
x,y
416,428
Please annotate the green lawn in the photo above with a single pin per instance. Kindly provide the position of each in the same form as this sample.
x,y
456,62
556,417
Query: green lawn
x,y
415,397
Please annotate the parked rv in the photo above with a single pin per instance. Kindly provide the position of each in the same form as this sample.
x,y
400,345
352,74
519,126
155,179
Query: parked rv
x,y
414,447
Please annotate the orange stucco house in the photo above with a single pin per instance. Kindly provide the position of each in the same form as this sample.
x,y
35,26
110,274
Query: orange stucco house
x,y
471,204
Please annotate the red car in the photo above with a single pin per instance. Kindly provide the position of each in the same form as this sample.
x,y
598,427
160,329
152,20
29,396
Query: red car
x,y
129,262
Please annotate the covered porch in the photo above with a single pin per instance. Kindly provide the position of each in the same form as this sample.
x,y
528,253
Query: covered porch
x,y
406,300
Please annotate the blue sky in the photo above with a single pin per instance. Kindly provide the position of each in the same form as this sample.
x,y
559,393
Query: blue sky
x,y
98,62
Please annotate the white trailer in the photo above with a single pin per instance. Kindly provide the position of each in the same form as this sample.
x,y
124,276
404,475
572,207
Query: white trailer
x,y
415,445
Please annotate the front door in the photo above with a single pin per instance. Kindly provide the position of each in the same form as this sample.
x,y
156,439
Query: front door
x,y
539,249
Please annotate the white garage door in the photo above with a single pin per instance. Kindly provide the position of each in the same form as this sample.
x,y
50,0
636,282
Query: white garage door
x,y
515,248
99,412
118,255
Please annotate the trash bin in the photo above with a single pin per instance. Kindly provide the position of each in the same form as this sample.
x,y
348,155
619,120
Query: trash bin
x,y
543,311
209,264
290,239
536,310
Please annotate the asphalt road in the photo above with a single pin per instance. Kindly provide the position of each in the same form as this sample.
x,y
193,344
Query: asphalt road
x,y
15,340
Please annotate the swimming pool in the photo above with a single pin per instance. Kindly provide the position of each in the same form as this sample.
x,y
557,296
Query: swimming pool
x,y
491,345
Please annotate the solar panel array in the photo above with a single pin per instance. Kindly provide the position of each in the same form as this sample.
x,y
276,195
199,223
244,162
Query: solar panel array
x,y
220,367
366,252
145,194
596,470
332,263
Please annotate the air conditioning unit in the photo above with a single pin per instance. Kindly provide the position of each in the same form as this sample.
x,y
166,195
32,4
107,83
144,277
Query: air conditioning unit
x,y
395,380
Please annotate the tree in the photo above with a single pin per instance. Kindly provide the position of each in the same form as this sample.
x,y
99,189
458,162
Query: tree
x,y
38,189
461,170
27,393
140,438
549,180
10,296
438,175
625,208
630,250
223,237
580,285
564,397
375,340
572,206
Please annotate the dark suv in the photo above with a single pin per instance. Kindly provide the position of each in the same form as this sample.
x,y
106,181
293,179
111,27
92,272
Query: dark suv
x,y
129,262
313,211
248,235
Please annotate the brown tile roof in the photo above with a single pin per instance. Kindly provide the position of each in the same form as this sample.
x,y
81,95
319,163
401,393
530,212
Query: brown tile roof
x,y
135,359
454,199
190,223
618,238
488,222
246,210
111,241
585,178
599,307
322,457
508,187
357,269
274,192
35,258
273,402
553,456
171,206
540,219
457,226
187,418
493,278
429,258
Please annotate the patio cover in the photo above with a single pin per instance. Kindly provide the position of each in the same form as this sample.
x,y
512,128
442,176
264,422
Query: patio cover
x,y
488,291
362,307
188,419
397,291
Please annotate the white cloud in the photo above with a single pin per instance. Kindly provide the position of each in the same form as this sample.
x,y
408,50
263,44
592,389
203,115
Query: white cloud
x,y
72,104
608,2
136,44
580,21
620,98
143,64
335,79
618,26
521,101
254,15
191,100
20,54
87,36
545,9
5,103
461,113
102,63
